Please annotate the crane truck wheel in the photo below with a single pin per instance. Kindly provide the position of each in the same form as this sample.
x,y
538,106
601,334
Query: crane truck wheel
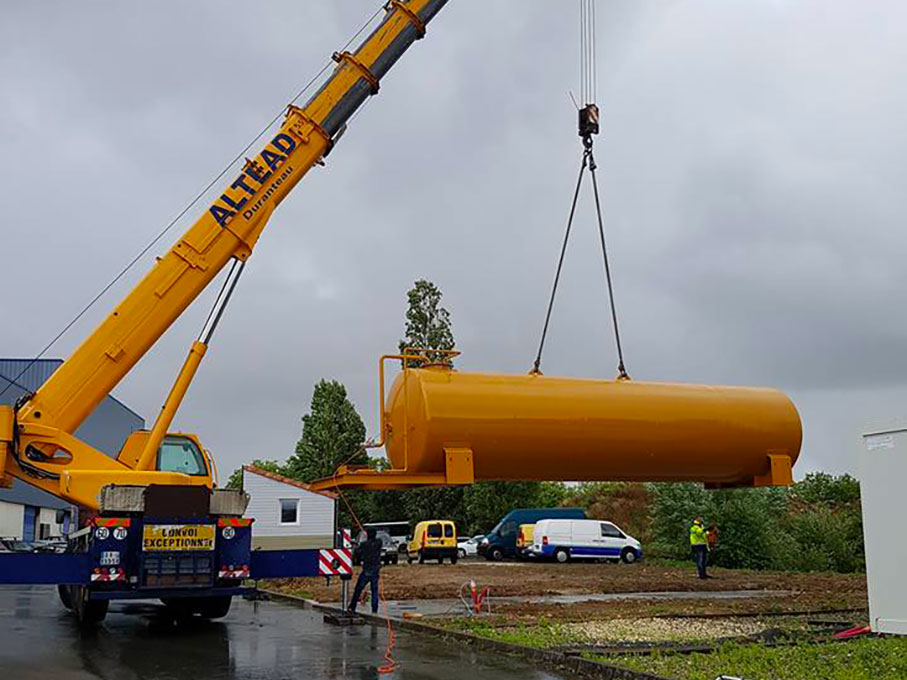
x,y
65,599
88,612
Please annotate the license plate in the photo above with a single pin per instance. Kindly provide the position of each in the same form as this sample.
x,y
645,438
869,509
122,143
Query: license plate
x,y
178,537
110,558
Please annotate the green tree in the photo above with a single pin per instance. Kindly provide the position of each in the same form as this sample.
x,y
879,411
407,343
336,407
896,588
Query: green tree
x,y
332,435
821,487
485,503
427,322
235,481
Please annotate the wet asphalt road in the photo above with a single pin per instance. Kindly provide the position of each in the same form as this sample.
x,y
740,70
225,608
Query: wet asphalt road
x,y
39,640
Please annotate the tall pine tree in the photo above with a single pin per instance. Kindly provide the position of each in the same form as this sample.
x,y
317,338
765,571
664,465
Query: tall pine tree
x,y
332,435
427,322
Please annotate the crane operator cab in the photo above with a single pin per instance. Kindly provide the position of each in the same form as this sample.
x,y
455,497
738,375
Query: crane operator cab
x,y
179,452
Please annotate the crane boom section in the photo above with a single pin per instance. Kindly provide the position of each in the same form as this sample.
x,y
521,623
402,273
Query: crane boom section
x,y
229,228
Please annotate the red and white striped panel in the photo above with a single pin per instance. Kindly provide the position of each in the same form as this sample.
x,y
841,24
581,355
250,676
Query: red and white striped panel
x,y
335,562
346,538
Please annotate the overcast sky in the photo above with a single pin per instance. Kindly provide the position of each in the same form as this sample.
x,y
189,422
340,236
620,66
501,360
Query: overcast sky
x,y
753,173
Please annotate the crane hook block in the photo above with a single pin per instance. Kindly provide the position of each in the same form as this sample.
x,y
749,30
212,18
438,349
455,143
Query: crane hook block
x,y
588,121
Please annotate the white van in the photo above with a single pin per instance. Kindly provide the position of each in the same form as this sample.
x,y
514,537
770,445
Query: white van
x,y
566,539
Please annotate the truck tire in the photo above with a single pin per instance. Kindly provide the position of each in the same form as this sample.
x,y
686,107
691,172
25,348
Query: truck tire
x,y
421,557
628,555
562,555
454,558
214,607
496,554
89,613
65,598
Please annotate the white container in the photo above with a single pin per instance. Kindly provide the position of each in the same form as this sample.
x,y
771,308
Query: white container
x,y
883,477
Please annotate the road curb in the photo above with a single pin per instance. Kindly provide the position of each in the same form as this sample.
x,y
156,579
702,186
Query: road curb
x,y
551,660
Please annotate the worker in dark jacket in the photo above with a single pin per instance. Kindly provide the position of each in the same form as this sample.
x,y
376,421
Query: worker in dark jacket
x,y
369,555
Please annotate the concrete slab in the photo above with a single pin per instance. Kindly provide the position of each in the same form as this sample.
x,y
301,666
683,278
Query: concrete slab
x,y
453,607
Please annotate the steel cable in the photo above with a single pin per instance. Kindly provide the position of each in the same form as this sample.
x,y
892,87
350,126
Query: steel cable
x,y
183,212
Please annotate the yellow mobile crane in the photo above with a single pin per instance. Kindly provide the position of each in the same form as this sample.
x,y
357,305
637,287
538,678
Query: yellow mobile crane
x,y
36,437
156,528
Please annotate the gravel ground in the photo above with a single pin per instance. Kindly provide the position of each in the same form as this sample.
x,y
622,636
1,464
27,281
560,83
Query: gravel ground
x,y
664,629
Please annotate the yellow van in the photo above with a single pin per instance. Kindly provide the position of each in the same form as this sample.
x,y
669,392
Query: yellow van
x,y
524,538
433,539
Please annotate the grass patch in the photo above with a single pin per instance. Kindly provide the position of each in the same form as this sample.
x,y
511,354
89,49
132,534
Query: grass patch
x,y
542,634
869,659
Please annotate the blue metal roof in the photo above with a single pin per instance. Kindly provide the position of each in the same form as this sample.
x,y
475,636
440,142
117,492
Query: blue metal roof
x,y
33,376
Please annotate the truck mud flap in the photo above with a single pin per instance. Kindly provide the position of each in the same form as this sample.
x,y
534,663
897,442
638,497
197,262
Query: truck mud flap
x,y
44,568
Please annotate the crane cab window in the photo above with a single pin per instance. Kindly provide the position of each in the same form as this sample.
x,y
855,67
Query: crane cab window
x,y
179,454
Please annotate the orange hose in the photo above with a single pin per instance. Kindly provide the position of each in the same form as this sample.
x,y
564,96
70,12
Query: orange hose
x,y
391,664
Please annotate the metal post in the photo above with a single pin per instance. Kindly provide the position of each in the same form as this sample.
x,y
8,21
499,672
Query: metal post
x,y
344,585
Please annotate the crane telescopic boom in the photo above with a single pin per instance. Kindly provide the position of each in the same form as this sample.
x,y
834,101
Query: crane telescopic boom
x,y
36,440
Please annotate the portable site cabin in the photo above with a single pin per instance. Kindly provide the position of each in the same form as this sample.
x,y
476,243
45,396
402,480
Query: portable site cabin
x,y
287,513
883,470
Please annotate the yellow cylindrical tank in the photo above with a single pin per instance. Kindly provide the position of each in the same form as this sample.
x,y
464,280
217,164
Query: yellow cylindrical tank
x,y
536,427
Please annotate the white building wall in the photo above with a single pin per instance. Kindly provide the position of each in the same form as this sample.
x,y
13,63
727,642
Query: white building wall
x,y
315,515
12,520
49,516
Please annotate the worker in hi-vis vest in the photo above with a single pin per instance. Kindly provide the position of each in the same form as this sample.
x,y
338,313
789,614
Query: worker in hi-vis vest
x,y
699,544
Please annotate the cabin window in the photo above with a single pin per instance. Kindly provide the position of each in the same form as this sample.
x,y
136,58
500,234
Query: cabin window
x,y
448,530
289,511
179,454
434,531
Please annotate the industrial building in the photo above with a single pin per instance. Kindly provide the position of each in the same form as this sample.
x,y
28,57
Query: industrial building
x,y
26,512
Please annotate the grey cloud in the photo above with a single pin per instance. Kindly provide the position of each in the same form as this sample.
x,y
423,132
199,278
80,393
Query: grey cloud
x,y
752,167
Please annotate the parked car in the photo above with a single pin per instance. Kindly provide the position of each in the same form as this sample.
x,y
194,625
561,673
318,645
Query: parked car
x,y
389,552
399,531
524,537
51,545
576,539
433,539
469,547
17,545
501,541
